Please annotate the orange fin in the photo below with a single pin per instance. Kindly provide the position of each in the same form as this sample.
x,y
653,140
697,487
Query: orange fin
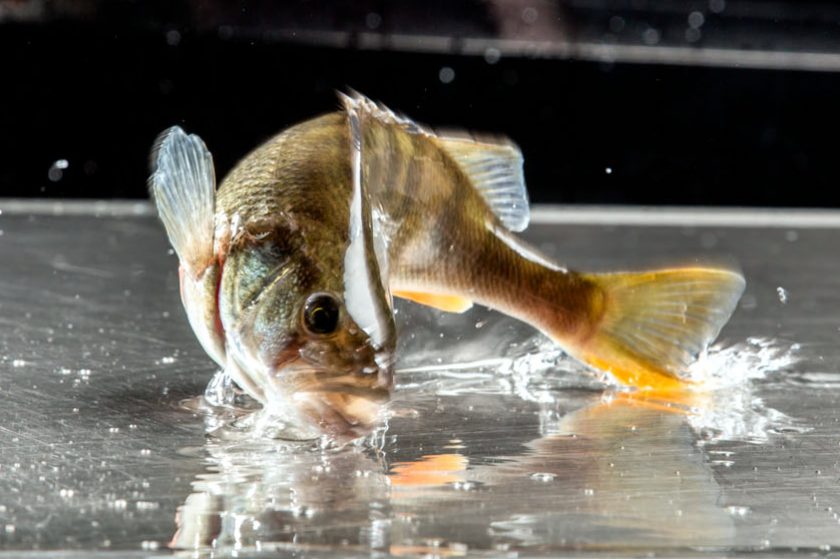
x,y
655,324
448,303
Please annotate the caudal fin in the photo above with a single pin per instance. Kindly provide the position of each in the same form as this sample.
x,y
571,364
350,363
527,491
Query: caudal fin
x,y
655,324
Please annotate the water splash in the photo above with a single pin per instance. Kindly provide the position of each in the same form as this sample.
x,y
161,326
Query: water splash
x,y
726,408
729,376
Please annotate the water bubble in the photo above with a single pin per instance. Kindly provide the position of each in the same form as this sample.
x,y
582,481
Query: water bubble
x,y
446,74
783,294
543,476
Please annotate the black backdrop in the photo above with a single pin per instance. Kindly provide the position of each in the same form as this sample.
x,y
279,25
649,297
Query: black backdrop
x,y
96,96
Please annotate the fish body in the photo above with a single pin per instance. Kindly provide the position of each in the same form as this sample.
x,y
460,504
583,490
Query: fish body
x,y
288,269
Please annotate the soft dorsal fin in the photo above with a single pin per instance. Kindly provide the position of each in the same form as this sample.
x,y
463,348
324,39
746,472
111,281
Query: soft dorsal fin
x,y
495,169
183,185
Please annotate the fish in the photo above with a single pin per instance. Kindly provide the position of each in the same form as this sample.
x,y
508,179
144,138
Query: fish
x,y
289,268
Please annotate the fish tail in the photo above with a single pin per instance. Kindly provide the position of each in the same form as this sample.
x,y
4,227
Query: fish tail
x,y
648,327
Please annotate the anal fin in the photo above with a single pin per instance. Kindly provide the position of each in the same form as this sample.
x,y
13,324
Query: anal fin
x,y
448,303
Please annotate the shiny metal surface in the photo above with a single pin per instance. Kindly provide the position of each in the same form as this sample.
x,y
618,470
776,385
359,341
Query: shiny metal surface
x,y
496,444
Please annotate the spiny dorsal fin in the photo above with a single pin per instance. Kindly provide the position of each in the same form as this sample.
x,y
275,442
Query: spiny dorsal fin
x,y
495,169
358,103
183,185
365,286
494,166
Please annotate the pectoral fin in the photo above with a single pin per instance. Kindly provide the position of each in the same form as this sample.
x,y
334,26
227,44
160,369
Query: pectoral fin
x,y
183,185
448,303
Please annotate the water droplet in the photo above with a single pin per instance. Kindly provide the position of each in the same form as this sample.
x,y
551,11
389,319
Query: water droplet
x,y
446,74
530,15
650,36
10,528
543,476
717,6
692,34
57,170
617,24
492,55
738,511
149,545
783,295
696,19
18,363
167,360
173,37
145,452
373,20
588,492
608,170
114,430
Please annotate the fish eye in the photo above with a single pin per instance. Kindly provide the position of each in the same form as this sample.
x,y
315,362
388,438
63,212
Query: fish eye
x,y
320,313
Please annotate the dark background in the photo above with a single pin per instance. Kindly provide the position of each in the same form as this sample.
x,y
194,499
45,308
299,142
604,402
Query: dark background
x,y
86,86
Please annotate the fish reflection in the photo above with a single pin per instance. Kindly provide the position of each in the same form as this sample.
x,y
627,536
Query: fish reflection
x,y
620,472
624,472
260,495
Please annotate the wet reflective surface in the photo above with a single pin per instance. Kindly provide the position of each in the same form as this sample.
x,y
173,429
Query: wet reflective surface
x,y
495,444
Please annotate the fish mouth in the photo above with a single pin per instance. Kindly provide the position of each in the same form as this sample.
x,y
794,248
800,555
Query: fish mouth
x,y
342,404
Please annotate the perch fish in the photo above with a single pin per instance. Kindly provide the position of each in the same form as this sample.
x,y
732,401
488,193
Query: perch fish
x,y
288,269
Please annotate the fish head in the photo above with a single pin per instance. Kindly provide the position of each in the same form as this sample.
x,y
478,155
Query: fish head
x,y
301,345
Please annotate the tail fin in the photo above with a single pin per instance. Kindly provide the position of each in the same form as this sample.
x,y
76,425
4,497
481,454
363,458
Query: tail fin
x,y
183,185
655,324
